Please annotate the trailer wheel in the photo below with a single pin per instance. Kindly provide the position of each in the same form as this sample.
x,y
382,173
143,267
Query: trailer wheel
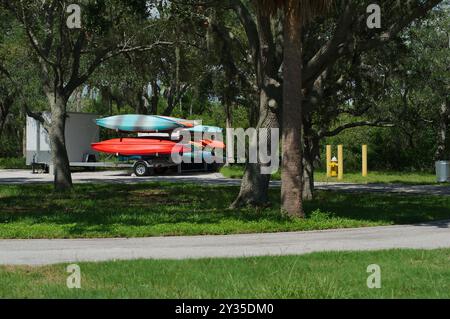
x,y
140,169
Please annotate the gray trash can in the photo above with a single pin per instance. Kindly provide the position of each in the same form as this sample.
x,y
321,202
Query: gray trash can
x,y
443,171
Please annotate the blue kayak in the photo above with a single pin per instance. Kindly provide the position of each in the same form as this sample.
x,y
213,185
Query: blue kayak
x,y
140,123
205,129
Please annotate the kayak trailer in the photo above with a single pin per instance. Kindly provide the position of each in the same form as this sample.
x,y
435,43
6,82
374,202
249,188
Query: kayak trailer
x,y
80,153
139,167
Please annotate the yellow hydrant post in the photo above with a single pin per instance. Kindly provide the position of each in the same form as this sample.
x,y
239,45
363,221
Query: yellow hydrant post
x,y
328,160
340,162
334,167
364,160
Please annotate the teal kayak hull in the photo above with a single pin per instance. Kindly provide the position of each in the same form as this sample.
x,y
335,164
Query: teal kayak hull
x,y
205,129
139,123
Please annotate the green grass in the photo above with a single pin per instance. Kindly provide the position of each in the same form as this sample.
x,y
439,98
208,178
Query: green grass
x,y
12,163
152,209
404,274
382,177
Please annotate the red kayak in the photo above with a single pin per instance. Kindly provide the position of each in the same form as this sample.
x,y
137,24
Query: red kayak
x,y
212,143
139,146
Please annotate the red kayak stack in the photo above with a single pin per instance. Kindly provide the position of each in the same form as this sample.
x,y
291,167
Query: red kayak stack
x,y
148,145
139,146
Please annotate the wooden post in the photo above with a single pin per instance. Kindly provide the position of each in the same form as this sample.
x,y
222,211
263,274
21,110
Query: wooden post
x,y
340,162
328,160
364,160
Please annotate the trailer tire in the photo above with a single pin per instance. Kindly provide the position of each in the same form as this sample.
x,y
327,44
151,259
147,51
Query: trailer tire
x,y
140,169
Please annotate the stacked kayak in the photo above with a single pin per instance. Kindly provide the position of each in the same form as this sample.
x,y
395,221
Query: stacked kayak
x,y
142,123
204,129
148,145
139,146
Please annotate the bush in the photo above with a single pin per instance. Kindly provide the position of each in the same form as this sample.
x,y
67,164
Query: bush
x,y
12,162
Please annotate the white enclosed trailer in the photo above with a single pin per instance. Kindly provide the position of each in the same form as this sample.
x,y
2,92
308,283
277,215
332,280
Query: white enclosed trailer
x,y
80,132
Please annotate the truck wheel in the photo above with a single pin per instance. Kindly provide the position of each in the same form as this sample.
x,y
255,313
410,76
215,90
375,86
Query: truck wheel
x,y
140,169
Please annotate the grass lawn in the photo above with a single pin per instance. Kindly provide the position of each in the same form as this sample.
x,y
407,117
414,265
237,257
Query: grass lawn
x,y
151,209
404,274
383,177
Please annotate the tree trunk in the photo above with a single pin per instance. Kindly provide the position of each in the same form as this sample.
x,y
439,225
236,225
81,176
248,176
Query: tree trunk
x,y
442,153
308,176
24,142
5,107
292,164
140,107
170,101
255,186
154,99
78,99
62,179
2,123
106,97
311,155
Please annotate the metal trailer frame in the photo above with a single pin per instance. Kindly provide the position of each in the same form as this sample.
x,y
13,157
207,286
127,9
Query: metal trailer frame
x,y
151,165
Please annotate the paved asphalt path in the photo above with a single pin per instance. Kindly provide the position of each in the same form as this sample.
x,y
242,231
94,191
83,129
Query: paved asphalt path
x,y
25,177
50,251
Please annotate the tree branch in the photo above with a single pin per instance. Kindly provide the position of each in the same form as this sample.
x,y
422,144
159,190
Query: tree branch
x,y
102,56
37,116
249,26
334,48
346,126
347,29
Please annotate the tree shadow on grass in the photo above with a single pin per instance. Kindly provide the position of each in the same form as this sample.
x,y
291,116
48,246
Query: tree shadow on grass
x,y
132,205
392,208
101,208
